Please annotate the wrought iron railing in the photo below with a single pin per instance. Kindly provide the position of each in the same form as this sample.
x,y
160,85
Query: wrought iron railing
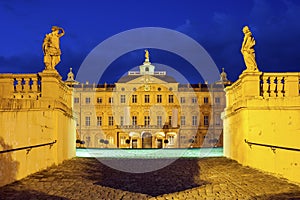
x,y
28,148
273,147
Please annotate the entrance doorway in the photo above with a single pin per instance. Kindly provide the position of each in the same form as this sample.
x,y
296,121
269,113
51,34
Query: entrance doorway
x,y
159,143
146,140
134,144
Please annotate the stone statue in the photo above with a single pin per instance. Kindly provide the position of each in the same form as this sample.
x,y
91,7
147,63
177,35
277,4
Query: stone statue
x,y
248,50
146,55
51,47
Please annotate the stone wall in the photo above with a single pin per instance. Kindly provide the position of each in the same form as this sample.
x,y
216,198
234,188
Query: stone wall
x,y
264,108
34,109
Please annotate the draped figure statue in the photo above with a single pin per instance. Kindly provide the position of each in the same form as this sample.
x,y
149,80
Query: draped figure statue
x,y
248,50
51,47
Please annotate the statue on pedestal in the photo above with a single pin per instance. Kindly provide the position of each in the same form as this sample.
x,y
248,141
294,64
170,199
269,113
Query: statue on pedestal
x,y
146,55
51,48
248,50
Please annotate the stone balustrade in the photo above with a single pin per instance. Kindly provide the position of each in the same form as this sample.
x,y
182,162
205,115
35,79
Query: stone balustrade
x,y
263,85
20,86
279,84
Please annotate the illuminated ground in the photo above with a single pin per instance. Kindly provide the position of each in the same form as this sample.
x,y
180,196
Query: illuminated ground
x,y
149,153
185,178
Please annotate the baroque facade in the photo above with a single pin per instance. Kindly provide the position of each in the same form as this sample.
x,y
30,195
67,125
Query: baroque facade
x,y
149,109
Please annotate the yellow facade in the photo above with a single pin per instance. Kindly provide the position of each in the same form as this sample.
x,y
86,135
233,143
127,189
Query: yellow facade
x,y
261,122
149,109
35,109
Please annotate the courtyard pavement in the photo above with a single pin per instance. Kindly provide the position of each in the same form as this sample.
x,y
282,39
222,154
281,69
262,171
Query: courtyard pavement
x,y
186,178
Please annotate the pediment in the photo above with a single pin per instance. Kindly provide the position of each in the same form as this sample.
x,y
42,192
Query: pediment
x,y
146,79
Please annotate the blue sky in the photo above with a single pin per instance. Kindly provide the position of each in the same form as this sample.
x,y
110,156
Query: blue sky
x,y
214,24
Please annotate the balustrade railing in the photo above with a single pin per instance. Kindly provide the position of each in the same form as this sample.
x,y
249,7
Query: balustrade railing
x,y
26,85
279,84
272,85
146,126
27,82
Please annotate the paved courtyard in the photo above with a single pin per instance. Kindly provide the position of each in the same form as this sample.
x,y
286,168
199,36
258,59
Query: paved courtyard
x,y
189,178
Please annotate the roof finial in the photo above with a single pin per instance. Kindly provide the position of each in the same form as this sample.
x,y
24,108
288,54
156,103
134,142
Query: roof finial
x,y
146,55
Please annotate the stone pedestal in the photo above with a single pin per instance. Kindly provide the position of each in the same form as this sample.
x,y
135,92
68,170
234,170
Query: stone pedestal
x,y
250,81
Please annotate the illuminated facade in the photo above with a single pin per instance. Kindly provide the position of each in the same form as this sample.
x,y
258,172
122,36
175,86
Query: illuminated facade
x,y
149,109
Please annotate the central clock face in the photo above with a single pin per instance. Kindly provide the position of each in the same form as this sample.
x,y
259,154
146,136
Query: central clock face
x,y
147,87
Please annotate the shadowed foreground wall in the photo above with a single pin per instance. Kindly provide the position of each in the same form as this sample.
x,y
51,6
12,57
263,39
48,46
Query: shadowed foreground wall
x,y
264,108
34,109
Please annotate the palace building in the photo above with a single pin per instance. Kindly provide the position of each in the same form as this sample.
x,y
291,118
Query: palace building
x,y
149,109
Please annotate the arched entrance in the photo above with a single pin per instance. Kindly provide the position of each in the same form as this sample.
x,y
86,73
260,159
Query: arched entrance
x,y
134,139
159,138
146,140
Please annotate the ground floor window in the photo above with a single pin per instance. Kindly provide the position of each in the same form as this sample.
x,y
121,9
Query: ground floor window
x,y
123,140
111,140
171,139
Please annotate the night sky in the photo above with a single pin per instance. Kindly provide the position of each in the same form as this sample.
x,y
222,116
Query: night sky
x,y
214,24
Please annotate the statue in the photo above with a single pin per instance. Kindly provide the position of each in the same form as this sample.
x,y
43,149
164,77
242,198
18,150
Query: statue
x,y
248,50
146,55
51,47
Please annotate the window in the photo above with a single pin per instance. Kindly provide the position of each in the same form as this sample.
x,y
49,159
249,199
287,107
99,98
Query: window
x,y
158,99
170,120
218,120
99,121
134,98
182,99
147,98
121,120
194,121
171,98
171,139
182,120
134,120
206,121
99,100
217,100
159,121
110,121
110,140
146,120
205,99
123,98
88,140
76,100
110,100
87,100
123,140
87,121
194,100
